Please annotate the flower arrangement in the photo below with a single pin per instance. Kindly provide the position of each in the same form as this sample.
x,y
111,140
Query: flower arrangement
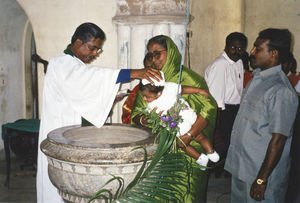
x,y
168,122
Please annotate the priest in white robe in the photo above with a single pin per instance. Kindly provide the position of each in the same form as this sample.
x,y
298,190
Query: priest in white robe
x,y
73,89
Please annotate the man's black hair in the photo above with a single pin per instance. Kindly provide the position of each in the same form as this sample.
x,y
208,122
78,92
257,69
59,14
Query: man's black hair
x,y
86,31
159,39
236,36
279,39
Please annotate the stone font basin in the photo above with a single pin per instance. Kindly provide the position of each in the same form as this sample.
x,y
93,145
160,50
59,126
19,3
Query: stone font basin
x,y
82,159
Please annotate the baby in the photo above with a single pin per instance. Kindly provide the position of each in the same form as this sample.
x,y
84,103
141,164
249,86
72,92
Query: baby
x,y
161,97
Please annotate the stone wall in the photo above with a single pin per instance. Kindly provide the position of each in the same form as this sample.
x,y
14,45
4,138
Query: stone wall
x,y
13,23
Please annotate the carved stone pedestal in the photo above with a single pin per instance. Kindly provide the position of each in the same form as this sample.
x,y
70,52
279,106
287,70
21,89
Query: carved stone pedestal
x,y
82,159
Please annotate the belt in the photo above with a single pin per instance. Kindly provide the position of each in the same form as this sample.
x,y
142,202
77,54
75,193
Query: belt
x,y
232,105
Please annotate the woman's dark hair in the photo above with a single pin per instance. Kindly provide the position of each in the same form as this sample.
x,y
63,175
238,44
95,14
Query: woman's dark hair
x,y
159,39
150,88
147,59
86,31
245,59
279,39
236,36
294,65
290,60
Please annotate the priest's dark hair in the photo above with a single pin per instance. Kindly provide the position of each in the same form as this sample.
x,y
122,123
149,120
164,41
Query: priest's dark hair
x,y
86,31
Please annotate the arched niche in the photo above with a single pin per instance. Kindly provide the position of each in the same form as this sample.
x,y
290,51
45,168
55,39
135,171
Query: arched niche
x,y
17,45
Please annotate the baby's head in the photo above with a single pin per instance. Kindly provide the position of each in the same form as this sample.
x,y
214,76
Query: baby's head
x,y
152,92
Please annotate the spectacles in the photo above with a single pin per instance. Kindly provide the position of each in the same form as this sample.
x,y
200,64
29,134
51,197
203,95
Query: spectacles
x,y
155,54
94,48
239,49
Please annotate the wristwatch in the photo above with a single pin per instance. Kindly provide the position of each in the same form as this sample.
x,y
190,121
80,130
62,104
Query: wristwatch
x,y
260,181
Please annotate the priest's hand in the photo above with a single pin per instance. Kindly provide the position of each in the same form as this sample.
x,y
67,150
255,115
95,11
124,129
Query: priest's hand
x,y
146,73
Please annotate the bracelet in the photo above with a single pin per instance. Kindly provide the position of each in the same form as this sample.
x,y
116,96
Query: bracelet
x,y
141,119
189,134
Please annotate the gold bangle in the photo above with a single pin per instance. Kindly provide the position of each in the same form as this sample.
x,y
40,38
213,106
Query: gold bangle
x,y
141,118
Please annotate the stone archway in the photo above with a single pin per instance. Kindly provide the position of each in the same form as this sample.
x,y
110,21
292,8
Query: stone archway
x,y
14,57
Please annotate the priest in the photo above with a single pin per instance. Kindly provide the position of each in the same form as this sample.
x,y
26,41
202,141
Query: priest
x,y
74,90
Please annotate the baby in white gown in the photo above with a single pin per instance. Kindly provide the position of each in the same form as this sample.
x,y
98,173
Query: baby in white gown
x,y
163,96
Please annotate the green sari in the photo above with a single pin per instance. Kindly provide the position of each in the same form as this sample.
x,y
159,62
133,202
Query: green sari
x,y
206,107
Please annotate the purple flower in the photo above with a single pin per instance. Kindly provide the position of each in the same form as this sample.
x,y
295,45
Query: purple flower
x,y
166,118
172,124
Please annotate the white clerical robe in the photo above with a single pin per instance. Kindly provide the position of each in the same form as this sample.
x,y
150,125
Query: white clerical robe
x,y
72,90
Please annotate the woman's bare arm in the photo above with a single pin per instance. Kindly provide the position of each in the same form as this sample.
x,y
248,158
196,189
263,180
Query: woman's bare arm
x,y
194,90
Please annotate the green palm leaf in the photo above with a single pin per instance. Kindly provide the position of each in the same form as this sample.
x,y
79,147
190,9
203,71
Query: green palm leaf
x,y
163,183
163,180
140,172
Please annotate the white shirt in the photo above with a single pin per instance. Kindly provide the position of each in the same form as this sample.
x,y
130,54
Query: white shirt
x,y
71,90
224,78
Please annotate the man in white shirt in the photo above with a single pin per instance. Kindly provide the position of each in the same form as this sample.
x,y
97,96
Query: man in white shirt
x,y
224,78
73,89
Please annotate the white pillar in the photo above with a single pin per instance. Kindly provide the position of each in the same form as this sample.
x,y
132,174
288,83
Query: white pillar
x,y
161,29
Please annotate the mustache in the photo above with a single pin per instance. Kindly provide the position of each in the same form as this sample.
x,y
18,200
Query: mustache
x,y
91,57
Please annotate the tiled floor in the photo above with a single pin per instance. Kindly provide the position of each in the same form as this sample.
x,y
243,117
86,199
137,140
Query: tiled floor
x,y
219,189
22,187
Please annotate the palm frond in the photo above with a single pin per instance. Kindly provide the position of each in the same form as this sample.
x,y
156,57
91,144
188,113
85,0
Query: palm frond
x,y
140,172
100,194
162,183
163,180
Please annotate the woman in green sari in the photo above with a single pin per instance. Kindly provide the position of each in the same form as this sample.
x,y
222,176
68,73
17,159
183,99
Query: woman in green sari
x,y
167,58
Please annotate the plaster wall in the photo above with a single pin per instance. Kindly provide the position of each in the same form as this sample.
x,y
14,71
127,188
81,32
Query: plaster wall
x,y
213,21
262,14
13,22
54,22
